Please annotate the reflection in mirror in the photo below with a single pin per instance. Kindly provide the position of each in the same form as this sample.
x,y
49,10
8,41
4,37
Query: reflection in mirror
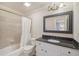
x,y
59,23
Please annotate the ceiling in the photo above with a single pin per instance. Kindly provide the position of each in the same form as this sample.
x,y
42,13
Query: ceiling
x,y
19,6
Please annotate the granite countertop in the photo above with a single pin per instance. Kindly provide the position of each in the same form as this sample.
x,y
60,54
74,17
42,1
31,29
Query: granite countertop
x,y
63,42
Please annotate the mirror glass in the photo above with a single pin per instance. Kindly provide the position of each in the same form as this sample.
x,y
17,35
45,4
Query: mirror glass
x,y
59,23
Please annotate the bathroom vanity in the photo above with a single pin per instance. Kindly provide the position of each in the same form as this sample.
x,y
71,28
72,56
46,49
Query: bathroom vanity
x,y
56,46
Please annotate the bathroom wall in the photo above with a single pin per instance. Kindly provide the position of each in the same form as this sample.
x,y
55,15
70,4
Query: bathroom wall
x,y
37,20
10,29
76,21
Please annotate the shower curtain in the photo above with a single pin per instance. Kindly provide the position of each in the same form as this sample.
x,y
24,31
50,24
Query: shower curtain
x,y
26,34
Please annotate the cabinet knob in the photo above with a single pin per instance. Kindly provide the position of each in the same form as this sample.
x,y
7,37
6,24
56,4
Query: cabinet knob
x,y
39,43
69,52
46,51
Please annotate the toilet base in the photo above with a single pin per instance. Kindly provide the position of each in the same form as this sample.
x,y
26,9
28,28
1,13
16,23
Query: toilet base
x,y
28,51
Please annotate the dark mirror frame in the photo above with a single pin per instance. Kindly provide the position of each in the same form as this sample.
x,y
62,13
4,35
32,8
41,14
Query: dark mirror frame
x,y
70,13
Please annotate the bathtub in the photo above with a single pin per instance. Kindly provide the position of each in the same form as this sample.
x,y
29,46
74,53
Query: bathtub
x,y
12,50
16,50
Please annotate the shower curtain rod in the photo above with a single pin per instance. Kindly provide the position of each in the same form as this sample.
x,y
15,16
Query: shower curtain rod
x,y
11,12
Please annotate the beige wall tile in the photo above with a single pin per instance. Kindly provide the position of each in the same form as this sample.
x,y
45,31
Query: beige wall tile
x,y
10,29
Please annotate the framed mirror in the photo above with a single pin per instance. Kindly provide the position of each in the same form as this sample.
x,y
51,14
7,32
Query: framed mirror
x,y
59,23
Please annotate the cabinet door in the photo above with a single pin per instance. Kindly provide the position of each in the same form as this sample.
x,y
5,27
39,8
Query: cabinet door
x,y
54,50
46,49
74,52
40,49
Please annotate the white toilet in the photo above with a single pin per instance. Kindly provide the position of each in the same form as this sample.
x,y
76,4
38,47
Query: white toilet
x,y
27,50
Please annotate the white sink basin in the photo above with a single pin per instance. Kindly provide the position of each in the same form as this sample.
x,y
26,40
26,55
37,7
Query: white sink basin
x,y
54,41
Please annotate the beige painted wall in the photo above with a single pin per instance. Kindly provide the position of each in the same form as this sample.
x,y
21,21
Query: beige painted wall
x,y
10,29
37,21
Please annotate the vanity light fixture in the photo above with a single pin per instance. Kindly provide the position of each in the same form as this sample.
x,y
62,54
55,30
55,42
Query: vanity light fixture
x,y
27,4
52,7
61,5
55,6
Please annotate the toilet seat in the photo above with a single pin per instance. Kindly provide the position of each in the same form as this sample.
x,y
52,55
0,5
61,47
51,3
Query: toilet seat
x,y
28,47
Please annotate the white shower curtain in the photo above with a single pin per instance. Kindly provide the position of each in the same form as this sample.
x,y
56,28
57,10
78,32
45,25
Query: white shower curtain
x,y
26,35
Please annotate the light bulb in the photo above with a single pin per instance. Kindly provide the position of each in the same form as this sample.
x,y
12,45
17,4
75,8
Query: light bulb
x,y
61,5
27,4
